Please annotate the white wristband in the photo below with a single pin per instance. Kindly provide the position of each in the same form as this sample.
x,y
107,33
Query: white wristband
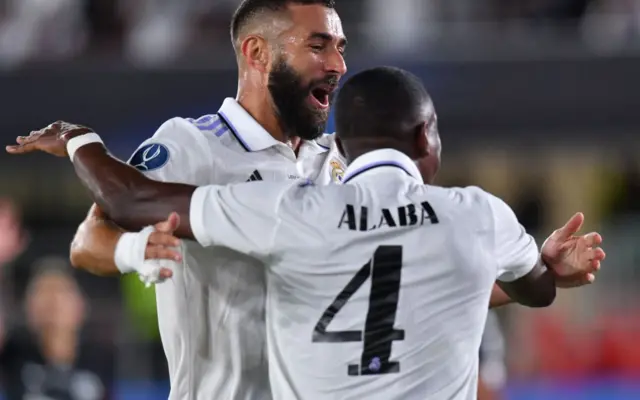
x,y
75,143
130,250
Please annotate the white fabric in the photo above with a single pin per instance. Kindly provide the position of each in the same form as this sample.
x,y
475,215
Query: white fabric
x,y
211,312
75,143
125,256
130,257
324,248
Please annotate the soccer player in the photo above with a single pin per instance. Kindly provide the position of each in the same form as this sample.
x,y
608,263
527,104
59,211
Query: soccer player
x,y
211,313
377,288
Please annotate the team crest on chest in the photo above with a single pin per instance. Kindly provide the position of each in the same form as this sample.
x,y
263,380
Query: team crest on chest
x,y
337,170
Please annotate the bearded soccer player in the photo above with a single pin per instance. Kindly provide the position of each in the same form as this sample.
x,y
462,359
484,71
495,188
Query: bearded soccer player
x,y
211,313
427,256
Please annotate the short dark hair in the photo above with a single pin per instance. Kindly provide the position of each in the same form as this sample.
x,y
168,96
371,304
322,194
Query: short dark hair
x,y
249,9
382,101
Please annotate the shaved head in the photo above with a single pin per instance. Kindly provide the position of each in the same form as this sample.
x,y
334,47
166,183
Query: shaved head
x,y
388,107
382,102
257,16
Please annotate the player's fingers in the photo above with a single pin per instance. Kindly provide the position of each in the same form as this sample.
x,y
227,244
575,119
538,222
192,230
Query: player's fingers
x,y
165,273
589,278
21,148
589,255
163,239
12,149
589,259
162,253
170,224
572,226
174,221
33,136
599,254
592,239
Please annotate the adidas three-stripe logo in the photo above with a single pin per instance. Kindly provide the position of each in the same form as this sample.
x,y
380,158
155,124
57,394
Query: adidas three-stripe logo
x,y
255,176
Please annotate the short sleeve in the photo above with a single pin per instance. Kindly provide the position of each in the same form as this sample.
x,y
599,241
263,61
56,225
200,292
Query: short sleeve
x,y
243,217
515,251
177,153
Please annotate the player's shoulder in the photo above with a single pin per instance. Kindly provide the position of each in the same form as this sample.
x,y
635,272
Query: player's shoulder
x,y
481,198
310,198
176,139
338,162
470,203
485,206
208,125
326,140
468,196
177,131
208,132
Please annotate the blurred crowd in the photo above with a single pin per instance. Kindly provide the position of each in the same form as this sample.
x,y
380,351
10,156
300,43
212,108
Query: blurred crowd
x,y
156,32
44,351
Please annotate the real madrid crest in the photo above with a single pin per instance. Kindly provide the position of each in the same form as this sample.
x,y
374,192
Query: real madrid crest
x,y
337,170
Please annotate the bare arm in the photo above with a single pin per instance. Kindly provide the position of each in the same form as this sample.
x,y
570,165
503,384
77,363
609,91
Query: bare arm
x,y
498,297
127,196
521,271
535,289
94,243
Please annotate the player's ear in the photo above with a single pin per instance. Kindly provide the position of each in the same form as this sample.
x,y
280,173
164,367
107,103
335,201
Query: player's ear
x,y
255,50
421,139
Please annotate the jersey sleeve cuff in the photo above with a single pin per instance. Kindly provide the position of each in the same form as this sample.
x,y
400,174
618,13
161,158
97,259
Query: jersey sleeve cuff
x,y
530,259
197,216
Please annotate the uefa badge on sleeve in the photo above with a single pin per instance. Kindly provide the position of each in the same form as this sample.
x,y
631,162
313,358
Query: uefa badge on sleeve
x,y
337,170
150,157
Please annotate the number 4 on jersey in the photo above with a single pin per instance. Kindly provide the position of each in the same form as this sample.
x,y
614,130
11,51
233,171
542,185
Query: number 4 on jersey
x,y
385,271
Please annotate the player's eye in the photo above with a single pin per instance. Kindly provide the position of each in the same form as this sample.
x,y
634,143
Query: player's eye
x,y
317,47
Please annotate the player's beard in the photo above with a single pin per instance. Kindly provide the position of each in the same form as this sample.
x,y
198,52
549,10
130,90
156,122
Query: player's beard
x,y
296,115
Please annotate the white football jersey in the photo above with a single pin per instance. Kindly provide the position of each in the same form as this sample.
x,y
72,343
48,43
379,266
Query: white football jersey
x,y
378,288
211,313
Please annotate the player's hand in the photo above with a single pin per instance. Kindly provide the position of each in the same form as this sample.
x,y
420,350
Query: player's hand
x,y
573,259
51,139
162,245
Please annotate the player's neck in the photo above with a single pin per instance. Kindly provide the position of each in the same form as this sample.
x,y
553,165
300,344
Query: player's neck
x,y
267,118
355,148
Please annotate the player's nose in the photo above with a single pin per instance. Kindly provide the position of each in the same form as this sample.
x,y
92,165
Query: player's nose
x,y
336,64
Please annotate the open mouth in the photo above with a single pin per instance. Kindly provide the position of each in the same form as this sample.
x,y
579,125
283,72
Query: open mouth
x,y
320,96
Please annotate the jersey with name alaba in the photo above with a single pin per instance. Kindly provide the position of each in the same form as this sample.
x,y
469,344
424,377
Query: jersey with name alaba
x,y
378,288
211,313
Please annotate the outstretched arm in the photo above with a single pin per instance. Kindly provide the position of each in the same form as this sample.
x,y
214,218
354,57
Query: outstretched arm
x,y
127,196
134,201
530,278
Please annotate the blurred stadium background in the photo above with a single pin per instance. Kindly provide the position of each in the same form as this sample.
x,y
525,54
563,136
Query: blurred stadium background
x,y
538,102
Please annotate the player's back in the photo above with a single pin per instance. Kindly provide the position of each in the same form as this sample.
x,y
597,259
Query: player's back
x,y
380,289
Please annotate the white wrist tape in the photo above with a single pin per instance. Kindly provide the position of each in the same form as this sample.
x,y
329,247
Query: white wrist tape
x,y
130,250
149,272
75,143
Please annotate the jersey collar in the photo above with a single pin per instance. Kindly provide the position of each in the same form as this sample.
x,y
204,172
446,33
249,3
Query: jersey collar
x,y
251,135
378,160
